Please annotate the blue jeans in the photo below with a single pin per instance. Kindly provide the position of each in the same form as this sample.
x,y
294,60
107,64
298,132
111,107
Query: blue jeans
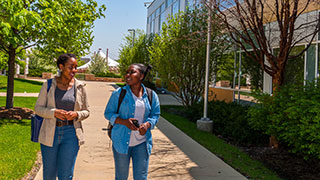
x,y
59,160
140,162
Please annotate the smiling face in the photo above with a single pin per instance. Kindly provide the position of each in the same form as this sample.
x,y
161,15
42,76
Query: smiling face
x,y
69,69
133,75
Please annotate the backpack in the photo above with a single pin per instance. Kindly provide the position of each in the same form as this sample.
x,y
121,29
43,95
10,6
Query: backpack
x,y
122,94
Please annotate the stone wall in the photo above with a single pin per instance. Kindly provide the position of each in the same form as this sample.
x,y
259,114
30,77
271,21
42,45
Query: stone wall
x,y
47,75
91,77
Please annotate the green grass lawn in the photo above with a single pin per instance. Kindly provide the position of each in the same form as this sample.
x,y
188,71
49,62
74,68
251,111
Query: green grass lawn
x,y
228,153
17,152
120,84
21,85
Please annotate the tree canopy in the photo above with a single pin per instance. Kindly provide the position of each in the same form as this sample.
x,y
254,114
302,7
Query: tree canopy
x,y
55,27
179,52
135,53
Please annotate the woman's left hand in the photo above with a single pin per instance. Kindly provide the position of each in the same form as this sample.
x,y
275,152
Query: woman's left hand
x,y
71,115
143,128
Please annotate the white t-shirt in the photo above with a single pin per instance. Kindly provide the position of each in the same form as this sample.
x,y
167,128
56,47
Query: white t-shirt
x,y
135,137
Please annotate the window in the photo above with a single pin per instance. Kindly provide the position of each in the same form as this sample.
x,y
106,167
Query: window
x,y
162,20
162,7
169,2
175,7
318,55
190,3
311,63
318,31
152,27
157,12
294,72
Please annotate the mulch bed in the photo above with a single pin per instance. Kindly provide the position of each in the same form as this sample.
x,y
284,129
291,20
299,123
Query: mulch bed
x,y
16,113
287,165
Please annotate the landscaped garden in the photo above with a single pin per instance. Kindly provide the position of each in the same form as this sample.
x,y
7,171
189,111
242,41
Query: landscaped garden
x,y
241,133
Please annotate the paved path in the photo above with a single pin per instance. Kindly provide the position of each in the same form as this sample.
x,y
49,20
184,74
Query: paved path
x,y
174,156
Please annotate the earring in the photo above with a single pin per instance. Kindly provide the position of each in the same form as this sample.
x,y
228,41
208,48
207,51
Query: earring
x,y
58,73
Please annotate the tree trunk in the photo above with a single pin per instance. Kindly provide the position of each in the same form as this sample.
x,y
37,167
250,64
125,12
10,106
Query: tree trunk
x,y
277,81
11,70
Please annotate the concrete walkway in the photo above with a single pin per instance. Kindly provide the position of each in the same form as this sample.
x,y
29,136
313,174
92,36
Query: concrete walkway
x,y
174,156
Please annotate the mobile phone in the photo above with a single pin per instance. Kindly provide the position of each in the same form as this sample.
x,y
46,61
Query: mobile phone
x,y
135,122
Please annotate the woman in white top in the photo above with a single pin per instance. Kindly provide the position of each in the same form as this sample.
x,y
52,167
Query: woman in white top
x,y
131,135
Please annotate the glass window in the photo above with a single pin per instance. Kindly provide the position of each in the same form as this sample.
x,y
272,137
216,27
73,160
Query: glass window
x,y
152,26
175,7
162,20
294,72
163,7
169,2
318,59
252,73
311,63
158,12
318,31
190,3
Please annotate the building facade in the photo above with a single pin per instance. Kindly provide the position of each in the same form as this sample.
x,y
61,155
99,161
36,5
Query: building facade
x,y
307,66
159,10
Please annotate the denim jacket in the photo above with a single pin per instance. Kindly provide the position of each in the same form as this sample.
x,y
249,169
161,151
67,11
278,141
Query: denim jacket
x,y
120,133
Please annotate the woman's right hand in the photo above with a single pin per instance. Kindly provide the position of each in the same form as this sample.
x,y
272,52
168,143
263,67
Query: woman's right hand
x,y
127,122
61,114
130,124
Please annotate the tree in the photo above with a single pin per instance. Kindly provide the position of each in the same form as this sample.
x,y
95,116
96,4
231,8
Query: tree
x,y
39,63
260,26
98,66
179,53
45,24
138,53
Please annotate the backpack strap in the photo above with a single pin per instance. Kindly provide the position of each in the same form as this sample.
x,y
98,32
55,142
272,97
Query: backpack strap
x,y
149,92
49,84
122,94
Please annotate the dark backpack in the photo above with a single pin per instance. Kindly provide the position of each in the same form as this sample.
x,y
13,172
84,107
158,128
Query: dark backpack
x,y
122,94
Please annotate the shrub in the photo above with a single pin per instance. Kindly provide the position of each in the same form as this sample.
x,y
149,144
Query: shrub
x,y
292,115
80,76
98,66
230,121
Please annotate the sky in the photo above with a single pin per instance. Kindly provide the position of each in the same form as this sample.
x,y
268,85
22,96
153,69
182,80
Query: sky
x,y
121,15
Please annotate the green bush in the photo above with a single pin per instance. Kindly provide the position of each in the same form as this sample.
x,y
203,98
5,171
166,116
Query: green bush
x,y
230,121
80,76
35,72
292,115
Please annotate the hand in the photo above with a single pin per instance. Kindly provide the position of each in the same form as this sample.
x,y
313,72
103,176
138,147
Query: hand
x,y
61,114
130,124
143,128
71,115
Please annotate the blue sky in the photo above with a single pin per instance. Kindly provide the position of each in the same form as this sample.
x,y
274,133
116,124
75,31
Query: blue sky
x,y
121,15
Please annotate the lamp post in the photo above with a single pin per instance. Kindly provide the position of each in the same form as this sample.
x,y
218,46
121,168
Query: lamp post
x,y
205,124
133,35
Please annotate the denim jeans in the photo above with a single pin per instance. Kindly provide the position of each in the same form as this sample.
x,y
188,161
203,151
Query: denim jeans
x,y
59,160
140,162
